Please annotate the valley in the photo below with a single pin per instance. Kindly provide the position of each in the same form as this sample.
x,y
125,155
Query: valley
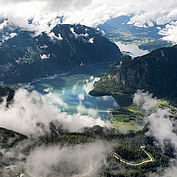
x,y
134,151
80,101
119,30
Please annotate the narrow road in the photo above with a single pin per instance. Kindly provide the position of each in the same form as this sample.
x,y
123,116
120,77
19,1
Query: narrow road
x,y
118,157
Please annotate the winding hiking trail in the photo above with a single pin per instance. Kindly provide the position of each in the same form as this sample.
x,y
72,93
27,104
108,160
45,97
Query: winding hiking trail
x,y
151,158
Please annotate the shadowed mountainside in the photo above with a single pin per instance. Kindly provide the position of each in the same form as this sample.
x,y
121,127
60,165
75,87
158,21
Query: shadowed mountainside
x,y
25,57
155,72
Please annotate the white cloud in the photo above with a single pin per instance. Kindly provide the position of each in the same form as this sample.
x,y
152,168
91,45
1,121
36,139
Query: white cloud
x,y
168,172
30,110
44,47
44,56
53,36
8,36
145,101
81,97
2,25
161,125
91,40
74,33
55,98
74,89
170,32
89,111
81,160
171,172
88,12
90,84
54,160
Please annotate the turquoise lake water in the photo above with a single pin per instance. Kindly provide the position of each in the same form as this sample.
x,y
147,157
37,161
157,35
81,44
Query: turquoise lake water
x,y
70,92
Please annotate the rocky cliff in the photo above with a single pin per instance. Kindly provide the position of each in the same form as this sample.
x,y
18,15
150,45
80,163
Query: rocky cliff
x,y
155,72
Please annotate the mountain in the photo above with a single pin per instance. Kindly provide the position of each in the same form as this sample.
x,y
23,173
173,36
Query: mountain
x,y
6,92
155,72
9,138
25,56
21,148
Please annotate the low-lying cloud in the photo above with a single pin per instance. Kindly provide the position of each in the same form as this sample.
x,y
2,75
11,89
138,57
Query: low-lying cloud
x,y
32,112
144,101
170,32
82,160
161,126
77,161
30,108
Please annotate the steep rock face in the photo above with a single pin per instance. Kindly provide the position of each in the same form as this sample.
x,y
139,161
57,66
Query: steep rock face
x,y
24,57
155,72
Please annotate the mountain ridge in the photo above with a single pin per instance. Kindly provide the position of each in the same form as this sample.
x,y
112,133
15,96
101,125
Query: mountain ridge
x,y
154,72
24,57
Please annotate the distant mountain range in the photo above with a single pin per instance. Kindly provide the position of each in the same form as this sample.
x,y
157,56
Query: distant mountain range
x,y
25,57
155,72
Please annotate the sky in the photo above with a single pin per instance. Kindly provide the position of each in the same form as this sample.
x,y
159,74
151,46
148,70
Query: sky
x,y
91,13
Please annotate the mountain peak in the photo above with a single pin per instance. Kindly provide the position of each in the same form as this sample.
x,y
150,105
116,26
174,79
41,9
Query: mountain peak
x,y
25,57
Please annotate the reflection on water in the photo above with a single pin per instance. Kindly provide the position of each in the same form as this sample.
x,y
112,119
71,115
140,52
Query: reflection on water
x,y
70,95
